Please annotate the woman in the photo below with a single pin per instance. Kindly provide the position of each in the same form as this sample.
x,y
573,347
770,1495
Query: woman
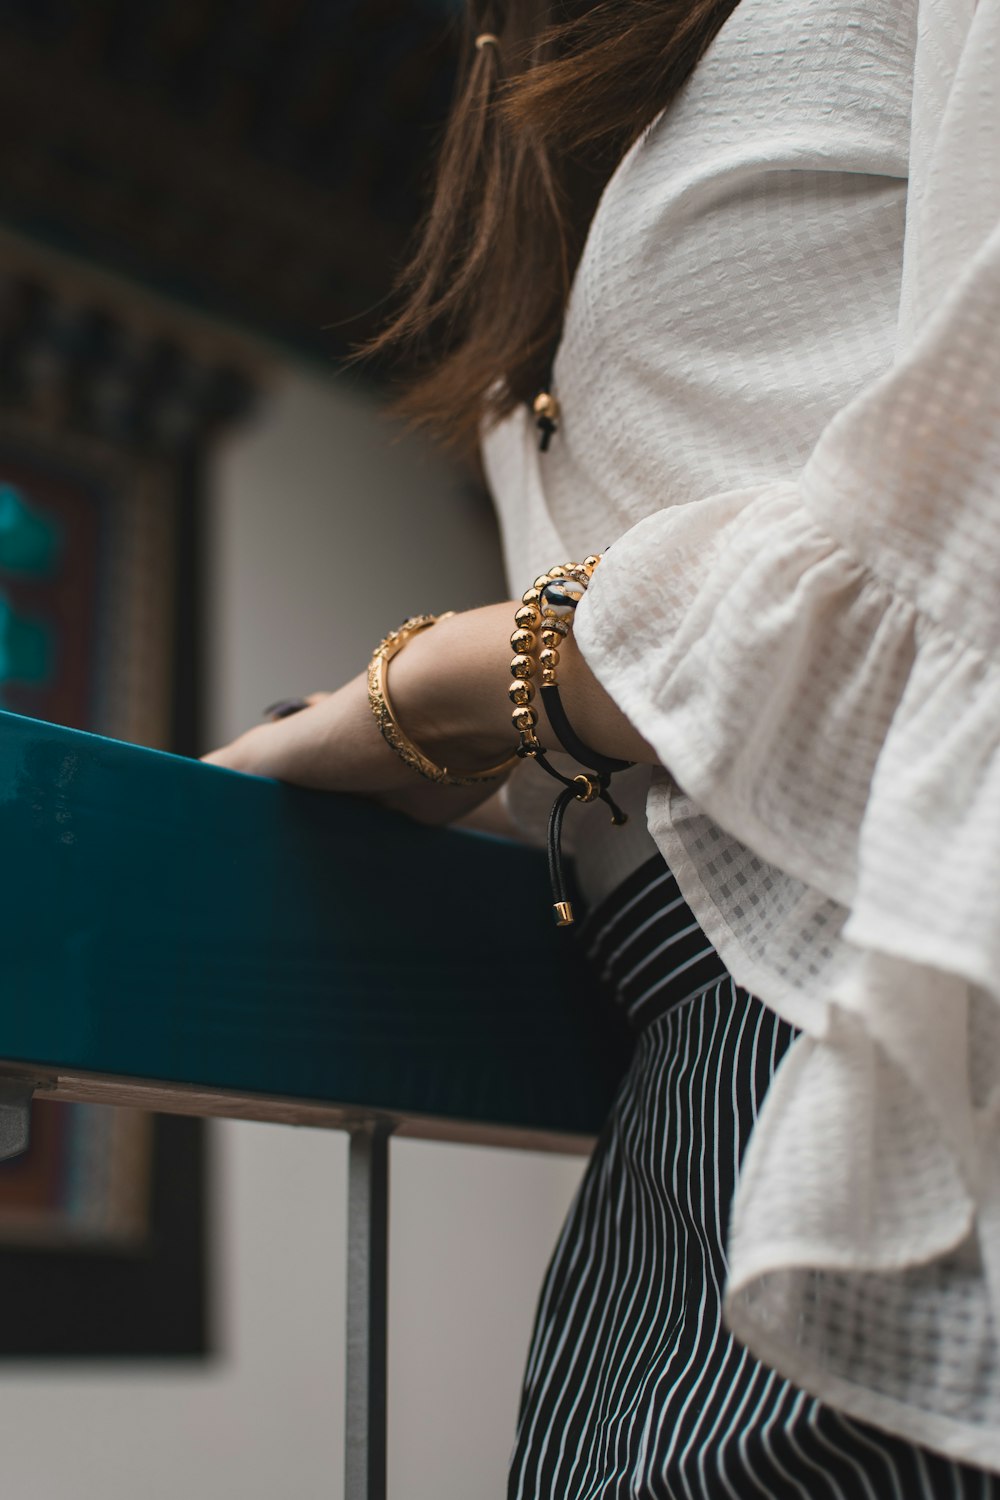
x,y
774,394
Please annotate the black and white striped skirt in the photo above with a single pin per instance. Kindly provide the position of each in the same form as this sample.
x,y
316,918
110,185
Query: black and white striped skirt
x,y
634,1390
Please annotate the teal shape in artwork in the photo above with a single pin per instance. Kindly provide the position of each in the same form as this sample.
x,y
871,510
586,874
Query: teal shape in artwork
x,y
27,651
29,541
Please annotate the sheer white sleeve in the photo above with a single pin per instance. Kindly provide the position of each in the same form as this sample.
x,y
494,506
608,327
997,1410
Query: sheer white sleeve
x,y
817,663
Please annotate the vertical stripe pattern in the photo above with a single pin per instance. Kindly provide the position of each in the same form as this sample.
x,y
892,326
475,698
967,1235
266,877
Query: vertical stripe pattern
x,y
634,1390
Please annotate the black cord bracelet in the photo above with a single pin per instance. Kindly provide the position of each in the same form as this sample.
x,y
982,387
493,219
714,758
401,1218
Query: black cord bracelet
x,y
570,740
582,788
590,786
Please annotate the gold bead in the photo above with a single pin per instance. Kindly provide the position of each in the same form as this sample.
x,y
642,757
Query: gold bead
x,y
524,719
521,691
548,659
522,666
551,637
590,563
527,617
558,572
531,596
539,584
523,641
548,677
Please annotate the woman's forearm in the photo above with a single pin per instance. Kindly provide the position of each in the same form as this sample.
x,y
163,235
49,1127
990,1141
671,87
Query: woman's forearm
x,y
448,688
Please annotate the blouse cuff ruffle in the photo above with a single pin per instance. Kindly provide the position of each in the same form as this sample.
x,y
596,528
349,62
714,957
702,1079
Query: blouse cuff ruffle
x,y
815,715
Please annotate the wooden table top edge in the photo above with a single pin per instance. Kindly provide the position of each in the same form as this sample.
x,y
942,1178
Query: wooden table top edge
x,y
193,1099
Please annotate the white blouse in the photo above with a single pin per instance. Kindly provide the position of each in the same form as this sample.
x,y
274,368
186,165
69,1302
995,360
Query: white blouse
x,y
780,386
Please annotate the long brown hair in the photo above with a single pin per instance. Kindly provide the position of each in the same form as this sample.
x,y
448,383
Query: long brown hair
x,y
540,119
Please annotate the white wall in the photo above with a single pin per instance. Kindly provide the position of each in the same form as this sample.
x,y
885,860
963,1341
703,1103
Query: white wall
x,y
330,527
325,533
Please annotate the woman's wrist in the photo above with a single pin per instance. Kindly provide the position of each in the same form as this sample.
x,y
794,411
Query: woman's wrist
x,y
448,689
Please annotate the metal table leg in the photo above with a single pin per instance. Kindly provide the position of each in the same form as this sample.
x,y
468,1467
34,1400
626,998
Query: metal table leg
x,y
367,1285
15,1117
367,1296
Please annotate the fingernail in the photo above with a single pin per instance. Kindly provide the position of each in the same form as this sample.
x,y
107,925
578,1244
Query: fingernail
x,y
284,707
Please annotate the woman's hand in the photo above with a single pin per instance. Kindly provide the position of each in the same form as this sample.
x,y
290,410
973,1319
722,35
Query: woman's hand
x,y
448,688
335,745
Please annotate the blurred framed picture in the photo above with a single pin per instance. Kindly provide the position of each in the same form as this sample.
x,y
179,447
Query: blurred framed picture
x,y
102,1222
102,1238
87,584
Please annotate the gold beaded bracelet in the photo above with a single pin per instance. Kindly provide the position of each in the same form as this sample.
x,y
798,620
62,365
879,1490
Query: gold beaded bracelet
x,y
541,624
381,707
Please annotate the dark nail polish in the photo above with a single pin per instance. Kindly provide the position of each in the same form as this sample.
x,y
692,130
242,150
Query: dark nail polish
x,y
284,707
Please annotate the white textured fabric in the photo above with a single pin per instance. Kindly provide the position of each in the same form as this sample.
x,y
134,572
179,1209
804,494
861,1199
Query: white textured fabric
x,y
784,414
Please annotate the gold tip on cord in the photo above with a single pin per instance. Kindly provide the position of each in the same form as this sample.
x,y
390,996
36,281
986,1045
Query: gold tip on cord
x,y
564,913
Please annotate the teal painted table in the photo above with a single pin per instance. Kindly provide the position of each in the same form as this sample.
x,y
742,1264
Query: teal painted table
x,y
185,938
189,930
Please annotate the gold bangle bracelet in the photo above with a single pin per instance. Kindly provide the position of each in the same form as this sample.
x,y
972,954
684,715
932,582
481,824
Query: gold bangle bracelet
x,y
381,707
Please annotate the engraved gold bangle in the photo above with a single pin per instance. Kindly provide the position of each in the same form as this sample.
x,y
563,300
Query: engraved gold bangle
x,y
381,707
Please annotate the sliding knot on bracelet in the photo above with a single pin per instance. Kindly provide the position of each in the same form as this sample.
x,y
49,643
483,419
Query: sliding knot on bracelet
x,y
385,718
591,788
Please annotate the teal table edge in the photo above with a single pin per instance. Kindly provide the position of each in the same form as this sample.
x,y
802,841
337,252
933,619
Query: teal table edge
x,y
190,938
